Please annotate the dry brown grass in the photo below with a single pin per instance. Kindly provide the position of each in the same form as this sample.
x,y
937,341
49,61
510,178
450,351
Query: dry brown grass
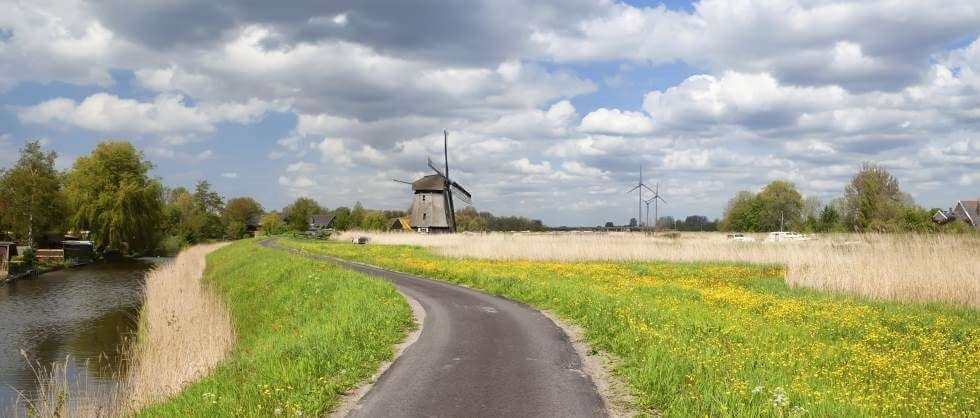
x,y
184,331
923,268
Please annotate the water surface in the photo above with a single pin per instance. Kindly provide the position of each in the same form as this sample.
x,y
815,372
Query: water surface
x,y
85,314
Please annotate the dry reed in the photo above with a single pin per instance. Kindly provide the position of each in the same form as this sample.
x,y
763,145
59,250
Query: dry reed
x,y
921,268
184,331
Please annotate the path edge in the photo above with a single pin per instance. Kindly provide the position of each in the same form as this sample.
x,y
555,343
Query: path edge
x,y
598,365
350,401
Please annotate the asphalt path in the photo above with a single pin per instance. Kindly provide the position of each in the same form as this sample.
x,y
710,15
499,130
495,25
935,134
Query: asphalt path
x,y
477,356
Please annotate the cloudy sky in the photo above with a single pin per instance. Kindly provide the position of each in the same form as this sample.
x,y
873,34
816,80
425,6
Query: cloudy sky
x,y
552,106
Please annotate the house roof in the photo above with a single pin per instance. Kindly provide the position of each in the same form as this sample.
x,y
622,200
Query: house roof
x,y
403,222
321,219
971,209
432,182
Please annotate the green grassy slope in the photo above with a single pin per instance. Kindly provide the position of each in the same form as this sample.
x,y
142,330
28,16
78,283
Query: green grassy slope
x,y
307,332
722,339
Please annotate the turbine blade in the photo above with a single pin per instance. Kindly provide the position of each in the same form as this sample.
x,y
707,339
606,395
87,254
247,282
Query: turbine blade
x,y
402,181
634,188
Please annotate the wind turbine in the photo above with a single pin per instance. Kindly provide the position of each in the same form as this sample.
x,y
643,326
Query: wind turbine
x,y
656,199
639,204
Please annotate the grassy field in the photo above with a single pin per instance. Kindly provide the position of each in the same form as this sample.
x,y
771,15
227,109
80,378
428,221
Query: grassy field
x,y
306,332
903,267
731,339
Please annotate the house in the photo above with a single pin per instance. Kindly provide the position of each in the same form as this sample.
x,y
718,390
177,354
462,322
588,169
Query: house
x,y
400,224
253,224
8,250
965,210
321,222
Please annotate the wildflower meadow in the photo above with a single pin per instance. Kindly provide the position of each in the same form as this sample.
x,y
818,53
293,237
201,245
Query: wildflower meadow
x,y
732,339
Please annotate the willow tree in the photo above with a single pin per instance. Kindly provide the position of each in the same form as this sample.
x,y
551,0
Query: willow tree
x,y
111,194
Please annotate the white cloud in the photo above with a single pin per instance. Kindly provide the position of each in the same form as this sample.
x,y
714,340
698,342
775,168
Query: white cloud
x,y
525,166
166,114
230,175
298,182
866,45
757,100
616,122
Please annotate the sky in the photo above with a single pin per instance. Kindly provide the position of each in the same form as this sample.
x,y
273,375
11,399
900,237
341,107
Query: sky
x,y
552,107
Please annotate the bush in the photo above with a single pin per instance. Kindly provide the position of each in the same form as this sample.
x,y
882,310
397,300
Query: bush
x,y
171,245
29,257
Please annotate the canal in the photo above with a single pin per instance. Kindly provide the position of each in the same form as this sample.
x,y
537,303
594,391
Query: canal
x,y
84,314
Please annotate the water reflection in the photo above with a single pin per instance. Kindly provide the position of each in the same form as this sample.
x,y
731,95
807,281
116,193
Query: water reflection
x,y
85,313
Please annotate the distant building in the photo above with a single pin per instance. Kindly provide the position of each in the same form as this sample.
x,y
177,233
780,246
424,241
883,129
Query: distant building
x,y
321,222
400,224
965,210
632,222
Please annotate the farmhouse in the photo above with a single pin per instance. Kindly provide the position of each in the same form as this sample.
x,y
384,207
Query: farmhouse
x,y
965,210
321,222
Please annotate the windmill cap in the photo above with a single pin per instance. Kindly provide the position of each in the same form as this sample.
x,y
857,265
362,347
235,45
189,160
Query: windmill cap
x,y
432,182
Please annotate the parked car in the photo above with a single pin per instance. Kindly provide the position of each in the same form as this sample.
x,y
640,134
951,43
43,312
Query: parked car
x,y
786,236
740,237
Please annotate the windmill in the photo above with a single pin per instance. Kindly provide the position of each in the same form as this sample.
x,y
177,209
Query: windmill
x,y
433,206
639,204
656,199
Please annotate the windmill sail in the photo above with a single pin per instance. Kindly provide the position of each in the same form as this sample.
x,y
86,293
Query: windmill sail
x,y
458,192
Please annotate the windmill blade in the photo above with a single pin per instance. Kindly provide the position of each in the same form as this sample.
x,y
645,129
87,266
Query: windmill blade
x,y
459,188
437,170
402,181
462,196
461,193
661,199
634,188
648,188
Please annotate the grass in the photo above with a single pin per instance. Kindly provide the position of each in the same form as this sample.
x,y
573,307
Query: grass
x,y
306,331
911,267
732,339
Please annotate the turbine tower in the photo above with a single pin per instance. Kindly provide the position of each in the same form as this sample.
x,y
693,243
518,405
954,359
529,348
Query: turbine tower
x,y
639,204
656,199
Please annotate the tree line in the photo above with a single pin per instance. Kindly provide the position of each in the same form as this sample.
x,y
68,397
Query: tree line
x,y
871,202
111,194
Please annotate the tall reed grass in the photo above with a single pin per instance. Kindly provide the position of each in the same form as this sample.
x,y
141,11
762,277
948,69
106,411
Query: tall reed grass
x,y
184,331
920,268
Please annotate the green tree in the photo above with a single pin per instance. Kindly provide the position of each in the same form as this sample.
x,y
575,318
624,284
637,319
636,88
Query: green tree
x,y
110,193
272,224
374,221
31,194
357,215
180,216
873,199
299,213
469,219
341,219
829,219
780,207
742,213
206,217
238,213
